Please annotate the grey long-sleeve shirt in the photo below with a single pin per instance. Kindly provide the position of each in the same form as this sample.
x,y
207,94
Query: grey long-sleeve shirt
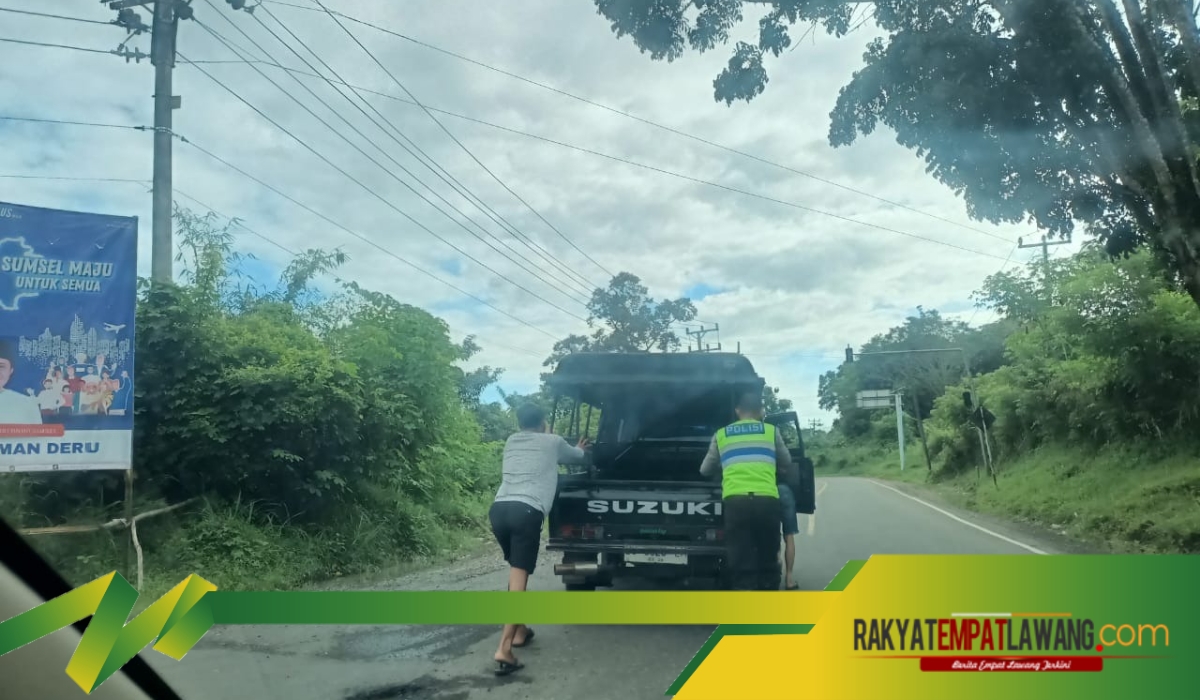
x,y
530,472
785,470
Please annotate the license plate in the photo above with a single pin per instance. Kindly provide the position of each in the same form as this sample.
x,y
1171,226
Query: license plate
x,y
656,559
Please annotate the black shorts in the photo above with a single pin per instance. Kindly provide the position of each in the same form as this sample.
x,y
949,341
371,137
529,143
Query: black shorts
x,y
518,529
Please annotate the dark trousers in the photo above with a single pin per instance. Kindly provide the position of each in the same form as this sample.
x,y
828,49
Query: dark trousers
x,y
752,542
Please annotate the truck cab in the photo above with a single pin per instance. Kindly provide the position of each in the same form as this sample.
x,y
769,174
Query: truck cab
x,y
640,507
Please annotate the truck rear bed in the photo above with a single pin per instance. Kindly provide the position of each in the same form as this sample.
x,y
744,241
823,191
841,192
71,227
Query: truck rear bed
x,y
609,528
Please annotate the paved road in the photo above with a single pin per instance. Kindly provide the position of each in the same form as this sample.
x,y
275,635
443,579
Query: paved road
x,y
856,518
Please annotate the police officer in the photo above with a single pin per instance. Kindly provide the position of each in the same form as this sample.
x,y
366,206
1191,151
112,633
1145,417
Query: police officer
x,y
752,458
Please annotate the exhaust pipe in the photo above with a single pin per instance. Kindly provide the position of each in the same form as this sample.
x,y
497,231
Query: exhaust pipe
x,y
584,568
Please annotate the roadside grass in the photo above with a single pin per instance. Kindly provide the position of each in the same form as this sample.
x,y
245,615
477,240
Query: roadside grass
x,y
237,549
1131,498
873,460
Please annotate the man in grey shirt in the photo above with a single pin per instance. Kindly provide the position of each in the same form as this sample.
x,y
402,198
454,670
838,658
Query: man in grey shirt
x,y
527,488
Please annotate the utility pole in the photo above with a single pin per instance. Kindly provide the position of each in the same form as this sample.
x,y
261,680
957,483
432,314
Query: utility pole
x,y
814,425
163,30
1045,246
162,55
701,346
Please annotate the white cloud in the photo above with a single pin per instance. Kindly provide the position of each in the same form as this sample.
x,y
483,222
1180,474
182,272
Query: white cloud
x,y
799,285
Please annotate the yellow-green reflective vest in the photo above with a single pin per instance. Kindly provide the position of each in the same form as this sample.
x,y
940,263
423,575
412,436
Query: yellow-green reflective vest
x,y
747,450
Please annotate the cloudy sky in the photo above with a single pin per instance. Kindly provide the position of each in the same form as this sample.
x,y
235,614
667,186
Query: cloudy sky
x,y
794,286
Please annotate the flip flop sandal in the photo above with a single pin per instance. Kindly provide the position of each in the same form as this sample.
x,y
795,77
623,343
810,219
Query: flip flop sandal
x,y
528,639
505,668
794,587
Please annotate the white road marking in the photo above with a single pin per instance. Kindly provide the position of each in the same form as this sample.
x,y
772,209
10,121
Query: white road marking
x,y
812,517
954,517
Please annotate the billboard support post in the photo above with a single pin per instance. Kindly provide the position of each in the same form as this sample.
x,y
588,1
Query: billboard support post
x,y
129,520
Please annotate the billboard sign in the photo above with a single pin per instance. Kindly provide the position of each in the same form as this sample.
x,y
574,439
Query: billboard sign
x,y
68,286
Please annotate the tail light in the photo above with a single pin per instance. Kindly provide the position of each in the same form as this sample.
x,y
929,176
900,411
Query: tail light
x,y
714,535
587,532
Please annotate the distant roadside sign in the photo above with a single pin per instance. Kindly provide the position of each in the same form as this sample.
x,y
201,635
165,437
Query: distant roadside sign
x,y
876,399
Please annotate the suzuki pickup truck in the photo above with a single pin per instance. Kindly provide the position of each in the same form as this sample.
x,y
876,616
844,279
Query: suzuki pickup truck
x,y
640,508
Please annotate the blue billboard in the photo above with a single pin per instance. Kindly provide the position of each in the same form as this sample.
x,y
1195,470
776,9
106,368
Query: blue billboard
x,y
68,288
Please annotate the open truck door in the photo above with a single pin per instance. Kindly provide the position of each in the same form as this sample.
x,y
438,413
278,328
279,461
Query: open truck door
x,y
788,424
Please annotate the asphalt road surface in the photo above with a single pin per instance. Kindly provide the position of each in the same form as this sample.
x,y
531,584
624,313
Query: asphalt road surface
x,y
855,519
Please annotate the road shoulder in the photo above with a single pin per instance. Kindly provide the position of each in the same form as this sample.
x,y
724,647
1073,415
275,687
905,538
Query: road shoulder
x,y
1040,537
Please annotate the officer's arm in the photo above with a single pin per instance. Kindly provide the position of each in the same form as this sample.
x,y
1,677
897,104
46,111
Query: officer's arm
x,y
712,460
785,469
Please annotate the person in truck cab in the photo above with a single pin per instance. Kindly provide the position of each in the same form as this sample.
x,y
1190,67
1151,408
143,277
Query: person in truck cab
x,y
752,459
527,486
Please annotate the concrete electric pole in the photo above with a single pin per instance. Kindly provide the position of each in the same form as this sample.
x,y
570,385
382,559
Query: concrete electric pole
x,y
164,28
162,56
701,346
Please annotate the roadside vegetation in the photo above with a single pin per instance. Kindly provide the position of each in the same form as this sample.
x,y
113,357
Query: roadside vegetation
x,y
312,434
1090,393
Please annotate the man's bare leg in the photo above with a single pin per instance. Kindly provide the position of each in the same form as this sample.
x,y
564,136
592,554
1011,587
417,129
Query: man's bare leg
x,y
789,559
517,580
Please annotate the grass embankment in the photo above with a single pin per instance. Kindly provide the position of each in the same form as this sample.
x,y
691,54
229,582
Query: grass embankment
x,y
235,550
1129,498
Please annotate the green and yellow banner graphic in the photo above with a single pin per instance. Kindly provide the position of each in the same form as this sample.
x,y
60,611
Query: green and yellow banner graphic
x,y
926,627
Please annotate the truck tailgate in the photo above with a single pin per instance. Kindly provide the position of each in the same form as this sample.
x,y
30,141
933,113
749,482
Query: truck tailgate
x,y
612,512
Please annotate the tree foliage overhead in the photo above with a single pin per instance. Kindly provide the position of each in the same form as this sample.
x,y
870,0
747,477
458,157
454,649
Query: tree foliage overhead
x,y
1050,111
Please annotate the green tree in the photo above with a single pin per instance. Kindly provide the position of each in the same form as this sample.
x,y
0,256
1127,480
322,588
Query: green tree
x,y
1050,111
625,318
922,376
773,402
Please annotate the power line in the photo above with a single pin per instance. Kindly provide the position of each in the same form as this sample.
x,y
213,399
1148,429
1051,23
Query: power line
x,y
358,182
460,143
454,185
36,120
651,168
727,188
293,253
629,115
18,176
54,46
47,15
240,224
307,208
379,148
586,284
1002,266
365,239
